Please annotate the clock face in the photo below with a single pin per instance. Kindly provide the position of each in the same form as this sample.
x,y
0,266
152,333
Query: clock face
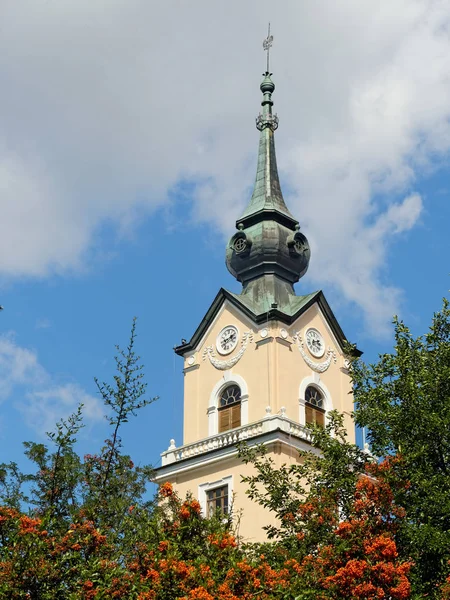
x,y
227,339
315,343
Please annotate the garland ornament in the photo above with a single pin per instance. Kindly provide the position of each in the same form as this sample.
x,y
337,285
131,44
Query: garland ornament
x,y
223,365
318,367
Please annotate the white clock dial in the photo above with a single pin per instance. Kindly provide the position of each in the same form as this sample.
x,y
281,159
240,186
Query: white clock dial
x,y
315,343
227,339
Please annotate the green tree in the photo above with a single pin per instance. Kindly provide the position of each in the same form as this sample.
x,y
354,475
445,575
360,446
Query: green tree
x,y
111,481
60,522
327,479
404,401
82,528
337,519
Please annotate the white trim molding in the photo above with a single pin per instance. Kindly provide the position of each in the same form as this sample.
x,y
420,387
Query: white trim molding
x,y
203,488
315,366
223,365
315,381
227,379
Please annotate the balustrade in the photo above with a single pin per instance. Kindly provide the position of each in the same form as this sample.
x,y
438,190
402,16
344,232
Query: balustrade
x,y
233,436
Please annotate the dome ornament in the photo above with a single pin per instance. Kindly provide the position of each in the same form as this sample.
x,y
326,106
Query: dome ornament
x,y
298,245
241,243
264,121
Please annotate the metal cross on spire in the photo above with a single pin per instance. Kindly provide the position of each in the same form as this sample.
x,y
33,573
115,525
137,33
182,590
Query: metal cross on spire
x,y
267,44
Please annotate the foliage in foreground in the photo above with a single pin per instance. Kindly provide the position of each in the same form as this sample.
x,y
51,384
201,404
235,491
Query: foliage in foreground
x,y
337,519
336,540
404,401
349,526
179,554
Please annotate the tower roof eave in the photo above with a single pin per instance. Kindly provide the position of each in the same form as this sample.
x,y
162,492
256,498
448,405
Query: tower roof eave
x,y
288,316
266,213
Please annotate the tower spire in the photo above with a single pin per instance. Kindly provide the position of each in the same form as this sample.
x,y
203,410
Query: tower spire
x,y
268,254
267,195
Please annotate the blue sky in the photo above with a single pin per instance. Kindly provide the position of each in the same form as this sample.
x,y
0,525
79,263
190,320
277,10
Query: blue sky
x,y
128,148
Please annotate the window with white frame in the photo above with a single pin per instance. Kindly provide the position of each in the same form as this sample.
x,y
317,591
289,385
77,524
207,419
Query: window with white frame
x,y
216,496
230,408
228,396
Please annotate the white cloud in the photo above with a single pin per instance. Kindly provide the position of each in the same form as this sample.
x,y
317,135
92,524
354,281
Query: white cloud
x,y
106,106
42,401
18,366
42,409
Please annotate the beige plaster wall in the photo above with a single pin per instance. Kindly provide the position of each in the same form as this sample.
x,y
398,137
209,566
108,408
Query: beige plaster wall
x,y
250,515
272,367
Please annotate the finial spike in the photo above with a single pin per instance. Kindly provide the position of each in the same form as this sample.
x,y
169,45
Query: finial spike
x,y
267,44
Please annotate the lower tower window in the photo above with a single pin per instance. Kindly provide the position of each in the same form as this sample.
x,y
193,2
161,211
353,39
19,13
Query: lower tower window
x,y
216,496
314,411
230,408
217,501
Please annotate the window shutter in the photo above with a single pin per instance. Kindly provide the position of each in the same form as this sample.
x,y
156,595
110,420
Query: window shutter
x,y
235,415
314,416
224,419
320,418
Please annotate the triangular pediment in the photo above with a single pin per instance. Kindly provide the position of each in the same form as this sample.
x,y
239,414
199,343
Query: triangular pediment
x,y
244,306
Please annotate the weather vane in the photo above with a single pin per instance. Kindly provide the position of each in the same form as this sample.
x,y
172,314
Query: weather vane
x,y
267,44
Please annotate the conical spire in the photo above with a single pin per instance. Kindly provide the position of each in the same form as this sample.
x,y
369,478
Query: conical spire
x,y
267,195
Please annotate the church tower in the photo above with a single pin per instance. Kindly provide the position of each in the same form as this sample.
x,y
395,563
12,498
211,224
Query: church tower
x,y
262,364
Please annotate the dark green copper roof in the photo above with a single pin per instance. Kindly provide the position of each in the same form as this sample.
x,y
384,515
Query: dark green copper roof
x,y
268,295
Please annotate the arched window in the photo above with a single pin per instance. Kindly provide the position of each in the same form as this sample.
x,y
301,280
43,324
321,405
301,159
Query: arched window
x,y
230,408
314,406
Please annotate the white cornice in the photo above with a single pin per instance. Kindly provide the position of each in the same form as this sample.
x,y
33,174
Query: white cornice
x,y
276,434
